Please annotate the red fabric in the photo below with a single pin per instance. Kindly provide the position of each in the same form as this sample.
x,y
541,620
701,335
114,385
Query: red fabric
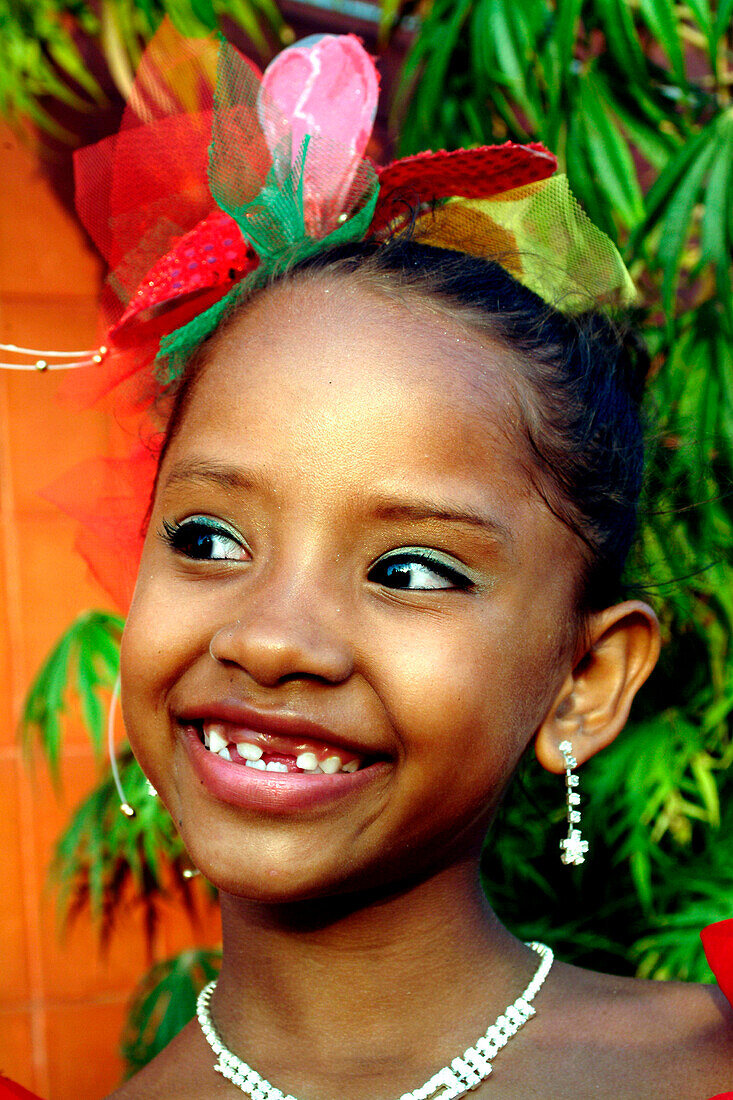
x,y
210,257
717,940
11,1091
112,513
468,173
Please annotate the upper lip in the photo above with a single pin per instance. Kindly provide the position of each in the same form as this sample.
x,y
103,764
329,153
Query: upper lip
x,y
284,724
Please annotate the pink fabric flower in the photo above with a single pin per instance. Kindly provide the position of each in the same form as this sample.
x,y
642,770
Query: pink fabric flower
x,y
328,89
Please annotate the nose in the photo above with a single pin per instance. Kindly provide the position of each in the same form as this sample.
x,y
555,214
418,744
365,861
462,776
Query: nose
x,y
282,633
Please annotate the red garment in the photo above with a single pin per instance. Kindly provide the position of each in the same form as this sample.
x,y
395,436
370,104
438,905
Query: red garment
x,y
717,940
10,1091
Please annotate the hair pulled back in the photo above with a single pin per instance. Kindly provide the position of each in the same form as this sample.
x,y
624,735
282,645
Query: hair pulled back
x,y
579,387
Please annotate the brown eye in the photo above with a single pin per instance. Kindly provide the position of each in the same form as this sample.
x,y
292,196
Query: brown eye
x,y
416,571
204,539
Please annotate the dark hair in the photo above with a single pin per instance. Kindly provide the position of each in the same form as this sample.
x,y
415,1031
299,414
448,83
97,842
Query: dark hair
x,y
579,388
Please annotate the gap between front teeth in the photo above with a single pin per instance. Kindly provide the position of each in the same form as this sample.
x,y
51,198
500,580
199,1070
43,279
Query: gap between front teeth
x,y
252,756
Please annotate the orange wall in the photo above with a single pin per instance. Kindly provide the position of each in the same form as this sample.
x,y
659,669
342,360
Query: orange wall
x,y
62,1002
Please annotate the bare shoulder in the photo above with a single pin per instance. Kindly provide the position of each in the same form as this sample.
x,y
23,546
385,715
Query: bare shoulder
x,y
183,1071
676,1038
682,1012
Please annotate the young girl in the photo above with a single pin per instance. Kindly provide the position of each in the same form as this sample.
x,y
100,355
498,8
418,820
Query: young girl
x,y
392,504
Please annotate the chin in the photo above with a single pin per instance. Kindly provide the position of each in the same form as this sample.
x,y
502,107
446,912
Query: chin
x,y
255,872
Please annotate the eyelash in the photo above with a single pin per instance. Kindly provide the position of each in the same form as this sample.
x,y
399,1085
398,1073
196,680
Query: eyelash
x,y
431,562
187,538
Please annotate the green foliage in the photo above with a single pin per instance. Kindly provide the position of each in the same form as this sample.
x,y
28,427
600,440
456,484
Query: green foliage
x,y
163,1004
648,147
108,862
41,58
83,664
44,44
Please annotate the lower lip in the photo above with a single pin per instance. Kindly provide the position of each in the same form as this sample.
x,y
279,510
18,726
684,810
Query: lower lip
x,y
274,792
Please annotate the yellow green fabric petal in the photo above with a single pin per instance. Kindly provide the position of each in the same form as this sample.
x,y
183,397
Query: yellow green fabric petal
x,y
541,235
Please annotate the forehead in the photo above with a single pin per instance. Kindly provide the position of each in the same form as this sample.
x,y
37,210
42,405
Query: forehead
x,y
331,401
330,359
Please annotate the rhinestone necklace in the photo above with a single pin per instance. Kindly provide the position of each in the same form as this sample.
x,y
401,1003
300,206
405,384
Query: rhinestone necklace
x,y
464,1073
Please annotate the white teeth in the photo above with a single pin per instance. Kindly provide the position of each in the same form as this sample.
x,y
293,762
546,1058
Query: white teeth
x,y
216,740
331,765
258,765
308,761
225,753
248,752
352,766
276,766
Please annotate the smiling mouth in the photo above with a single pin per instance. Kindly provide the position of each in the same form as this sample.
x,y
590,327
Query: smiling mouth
x,y
267,752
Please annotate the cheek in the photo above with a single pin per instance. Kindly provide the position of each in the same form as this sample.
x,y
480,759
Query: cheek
x,y
150,661
458,683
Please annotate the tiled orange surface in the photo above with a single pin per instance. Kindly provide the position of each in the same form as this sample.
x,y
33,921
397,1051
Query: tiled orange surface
x,y
78,1069
15,987
62,1001
47,606
71,971
42,446
16,1048
41,244
7,733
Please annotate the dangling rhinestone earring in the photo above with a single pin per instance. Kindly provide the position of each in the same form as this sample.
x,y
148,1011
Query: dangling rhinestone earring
x,y
573,847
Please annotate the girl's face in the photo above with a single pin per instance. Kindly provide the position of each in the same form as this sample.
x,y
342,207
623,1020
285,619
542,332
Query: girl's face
x,y
345,562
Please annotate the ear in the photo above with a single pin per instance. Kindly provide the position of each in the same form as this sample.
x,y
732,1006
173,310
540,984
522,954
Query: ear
x,y
620,648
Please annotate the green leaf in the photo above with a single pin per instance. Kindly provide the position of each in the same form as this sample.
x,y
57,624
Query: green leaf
x,y
676,225
565,30
388,16
250,17
86,658
164,1002
511,38
715,243
429,94
656,202
723,17
702,14
661,18
68,58
654,144
609,152
617,24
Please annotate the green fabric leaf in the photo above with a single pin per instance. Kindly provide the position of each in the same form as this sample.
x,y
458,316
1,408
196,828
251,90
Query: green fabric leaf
x,y
274,222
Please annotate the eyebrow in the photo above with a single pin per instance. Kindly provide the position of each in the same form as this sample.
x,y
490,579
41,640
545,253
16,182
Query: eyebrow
x,y
211,472
426,510
383,508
